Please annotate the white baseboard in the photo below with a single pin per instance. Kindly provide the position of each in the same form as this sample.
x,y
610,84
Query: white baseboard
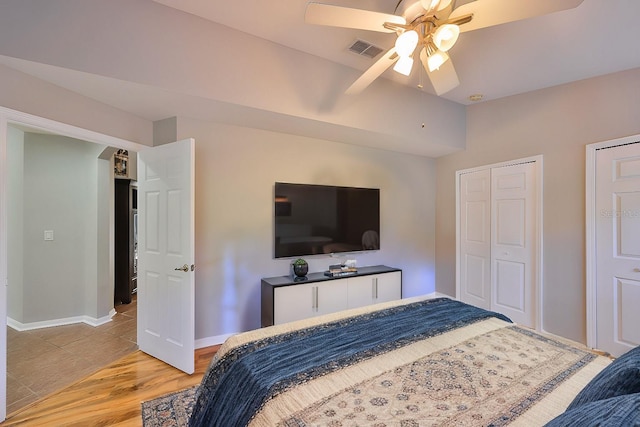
x,y
209,341
91,321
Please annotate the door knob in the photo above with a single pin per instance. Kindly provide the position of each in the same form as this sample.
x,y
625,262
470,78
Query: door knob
x,y
184,268
636,270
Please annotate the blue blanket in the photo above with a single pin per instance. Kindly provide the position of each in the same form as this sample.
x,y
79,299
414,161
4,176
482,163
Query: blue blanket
x,y
236,387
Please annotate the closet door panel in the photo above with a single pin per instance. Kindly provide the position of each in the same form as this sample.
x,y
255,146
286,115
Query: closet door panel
x,y
475,238
513,206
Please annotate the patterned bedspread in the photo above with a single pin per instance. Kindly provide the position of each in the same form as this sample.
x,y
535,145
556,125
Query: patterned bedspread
x,y
429,362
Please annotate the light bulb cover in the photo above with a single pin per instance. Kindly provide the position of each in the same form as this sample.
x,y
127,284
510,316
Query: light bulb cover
x,y
406,43
446,36
436,59
404,65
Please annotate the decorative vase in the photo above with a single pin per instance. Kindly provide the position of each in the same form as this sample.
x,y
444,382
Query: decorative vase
x,y
300,268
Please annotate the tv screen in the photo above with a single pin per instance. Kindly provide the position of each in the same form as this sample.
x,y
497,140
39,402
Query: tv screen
x,y
321,219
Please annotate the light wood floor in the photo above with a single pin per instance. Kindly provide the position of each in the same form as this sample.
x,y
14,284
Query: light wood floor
x,y
113,395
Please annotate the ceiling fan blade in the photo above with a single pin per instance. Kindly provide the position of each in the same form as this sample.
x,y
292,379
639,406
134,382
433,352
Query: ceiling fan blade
x,y
338,16
444,78
373,72
487,13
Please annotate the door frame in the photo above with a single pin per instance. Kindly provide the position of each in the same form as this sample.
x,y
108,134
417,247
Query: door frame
x,y
539,263
591,217
9,117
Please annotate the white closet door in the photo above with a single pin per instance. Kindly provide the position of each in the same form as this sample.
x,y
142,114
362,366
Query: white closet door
x,y
475,238
618,248
497,245
513,251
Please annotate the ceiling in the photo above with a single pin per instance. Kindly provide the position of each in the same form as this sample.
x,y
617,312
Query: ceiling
x,y
596,38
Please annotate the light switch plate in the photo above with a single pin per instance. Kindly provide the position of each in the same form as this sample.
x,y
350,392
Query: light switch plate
x,y
48,234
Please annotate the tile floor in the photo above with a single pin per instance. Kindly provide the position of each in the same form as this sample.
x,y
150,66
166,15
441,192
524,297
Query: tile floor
x,y
42,361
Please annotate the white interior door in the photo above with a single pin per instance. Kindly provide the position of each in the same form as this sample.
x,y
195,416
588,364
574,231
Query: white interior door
x,y
513,251
166,282
618,248
475,238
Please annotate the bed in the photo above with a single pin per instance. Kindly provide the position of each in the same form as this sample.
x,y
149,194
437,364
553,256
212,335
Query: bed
x,y
411,362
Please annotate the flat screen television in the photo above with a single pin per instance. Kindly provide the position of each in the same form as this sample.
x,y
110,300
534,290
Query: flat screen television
x,y
321,219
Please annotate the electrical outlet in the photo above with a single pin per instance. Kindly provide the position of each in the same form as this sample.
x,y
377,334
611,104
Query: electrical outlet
x,y
48,234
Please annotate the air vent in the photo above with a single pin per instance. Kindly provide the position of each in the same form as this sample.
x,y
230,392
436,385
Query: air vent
x,y
364,48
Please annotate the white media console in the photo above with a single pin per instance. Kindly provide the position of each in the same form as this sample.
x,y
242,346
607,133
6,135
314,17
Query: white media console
x,y
285,299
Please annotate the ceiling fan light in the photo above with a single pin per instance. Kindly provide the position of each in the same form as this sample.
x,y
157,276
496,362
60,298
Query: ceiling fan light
x,y
406,43
446,36
436,59
404,65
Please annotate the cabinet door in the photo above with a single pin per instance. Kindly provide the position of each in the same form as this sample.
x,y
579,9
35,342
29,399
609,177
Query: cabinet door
x,y
331,296
302,301
389,286
361,291
293,302
375,288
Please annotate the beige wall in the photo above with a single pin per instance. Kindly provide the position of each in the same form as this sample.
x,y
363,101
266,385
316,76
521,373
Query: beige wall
x,y
557,122
58,279
236,169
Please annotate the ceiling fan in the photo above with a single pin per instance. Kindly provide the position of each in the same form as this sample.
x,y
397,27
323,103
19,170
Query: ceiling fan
x,y
431,27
